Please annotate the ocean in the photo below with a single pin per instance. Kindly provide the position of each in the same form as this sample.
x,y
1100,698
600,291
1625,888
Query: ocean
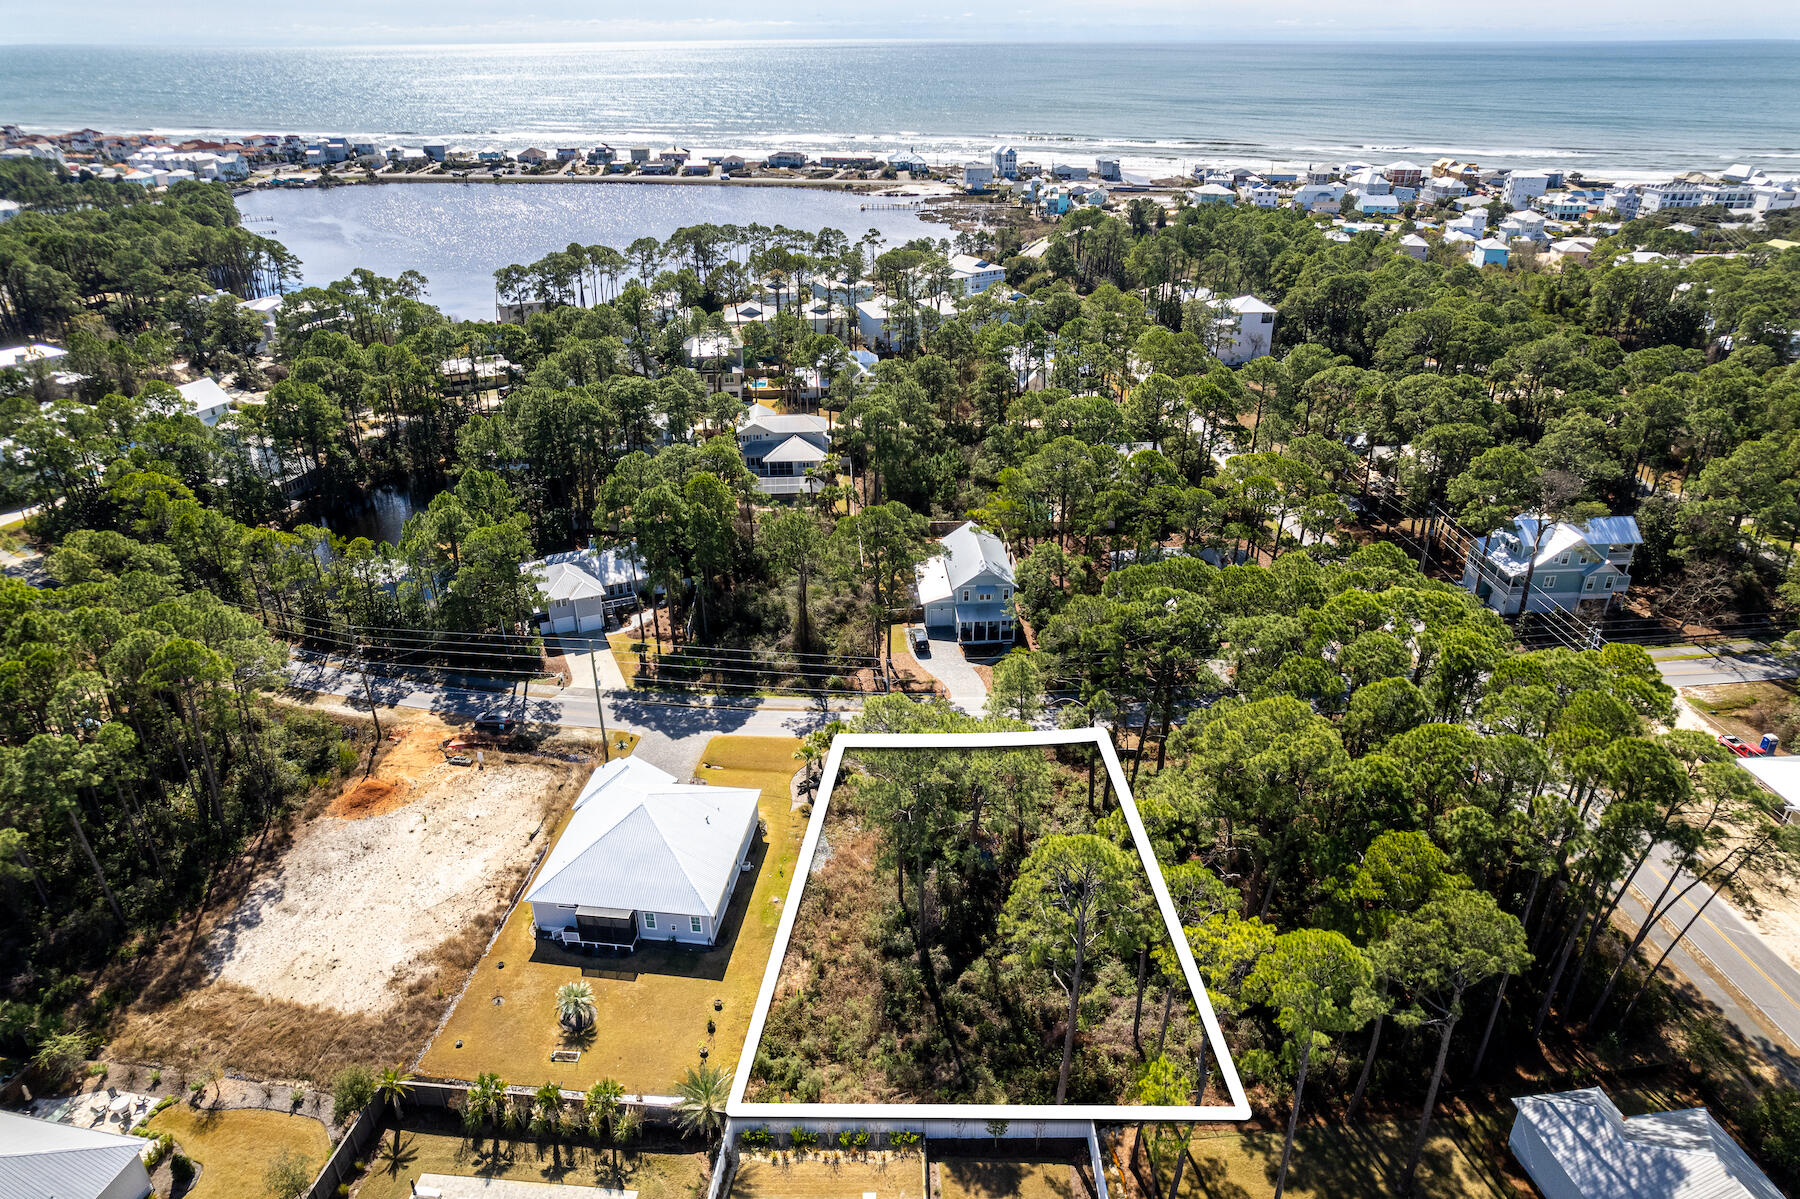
x,y
458,234
1624,110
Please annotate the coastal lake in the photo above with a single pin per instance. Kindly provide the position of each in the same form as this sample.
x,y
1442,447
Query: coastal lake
x,y
458,234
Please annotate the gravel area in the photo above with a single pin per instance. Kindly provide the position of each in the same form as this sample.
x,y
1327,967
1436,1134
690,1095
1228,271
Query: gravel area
x,y
355,905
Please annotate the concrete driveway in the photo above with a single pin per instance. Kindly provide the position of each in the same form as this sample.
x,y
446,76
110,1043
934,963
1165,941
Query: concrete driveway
x,y
948,666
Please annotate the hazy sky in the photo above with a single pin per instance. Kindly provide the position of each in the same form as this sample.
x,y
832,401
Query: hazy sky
x,y
362,22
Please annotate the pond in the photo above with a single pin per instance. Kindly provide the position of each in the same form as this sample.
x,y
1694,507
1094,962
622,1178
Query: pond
x,y
458,234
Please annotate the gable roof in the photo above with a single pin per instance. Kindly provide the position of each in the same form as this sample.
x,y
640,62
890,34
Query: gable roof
x,y
763,419
578,574
638,840
795,449
970,550
1667,1155
40,1159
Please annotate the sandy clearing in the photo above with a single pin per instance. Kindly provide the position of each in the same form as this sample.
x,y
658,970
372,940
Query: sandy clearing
x,y
355,907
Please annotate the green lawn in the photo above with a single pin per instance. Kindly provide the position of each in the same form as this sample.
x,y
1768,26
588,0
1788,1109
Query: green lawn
x,y
652,1006
234,1148
423,1150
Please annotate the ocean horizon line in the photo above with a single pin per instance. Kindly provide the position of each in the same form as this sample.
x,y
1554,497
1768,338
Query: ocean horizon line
x,y
1437,39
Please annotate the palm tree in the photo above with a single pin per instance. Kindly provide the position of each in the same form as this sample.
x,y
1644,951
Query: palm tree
x,y
602,1105
703,1095
391,1086
486,1101
575,1006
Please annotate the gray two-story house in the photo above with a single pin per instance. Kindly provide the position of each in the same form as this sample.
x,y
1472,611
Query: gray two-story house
x,y
780,449
1574,564
969,587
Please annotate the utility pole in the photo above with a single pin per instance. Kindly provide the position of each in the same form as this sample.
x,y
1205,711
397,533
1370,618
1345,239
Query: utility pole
x,y
599,700
363,669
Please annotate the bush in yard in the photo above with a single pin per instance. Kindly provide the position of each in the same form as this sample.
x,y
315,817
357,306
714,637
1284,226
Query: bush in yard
x,y
1775,1124
351,1091
60,1057
803,1138
181,1169
288,1176
853,1138
756,1138
902,1139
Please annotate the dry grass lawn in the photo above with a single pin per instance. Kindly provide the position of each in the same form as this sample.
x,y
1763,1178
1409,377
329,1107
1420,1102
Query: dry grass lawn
x,y
1001,1179
652,1174
652,1006
832,1176
235,1147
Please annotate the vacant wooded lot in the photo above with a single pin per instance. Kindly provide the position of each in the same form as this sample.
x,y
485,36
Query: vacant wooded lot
x,y
961,904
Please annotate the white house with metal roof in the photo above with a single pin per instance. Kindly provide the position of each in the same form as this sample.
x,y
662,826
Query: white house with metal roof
x,y
1578,1145
969,586
644,858
1568,564
41,1159
205,399
780,448
583,589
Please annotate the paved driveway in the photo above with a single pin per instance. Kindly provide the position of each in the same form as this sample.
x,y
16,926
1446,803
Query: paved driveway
x,y
948,666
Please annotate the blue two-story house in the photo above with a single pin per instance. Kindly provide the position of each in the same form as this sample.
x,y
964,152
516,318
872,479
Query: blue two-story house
x,y
780,449
969,587
1574,564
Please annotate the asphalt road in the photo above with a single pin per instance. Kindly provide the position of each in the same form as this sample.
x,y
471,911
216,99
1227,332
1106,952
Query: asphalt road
x,y
1705,666
1752,984
673,733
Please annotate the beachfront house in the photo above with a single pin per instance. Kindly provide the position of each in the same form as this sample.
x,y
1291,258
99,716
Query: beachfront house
x,y
968,588
909,161
205,399
785,160
585,590
1108,169
1489,251
977,176
1522,187
532,156
1310,197
780,448
1259,195
44,1159
1568,564
645,858
675,156
1403,173
1005,162
1662,197
1579,1145
602,155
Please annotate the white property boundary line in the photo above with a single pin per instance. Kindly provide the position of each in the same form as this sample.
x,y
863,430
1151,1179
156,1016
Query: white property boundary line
x,y
738,1109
